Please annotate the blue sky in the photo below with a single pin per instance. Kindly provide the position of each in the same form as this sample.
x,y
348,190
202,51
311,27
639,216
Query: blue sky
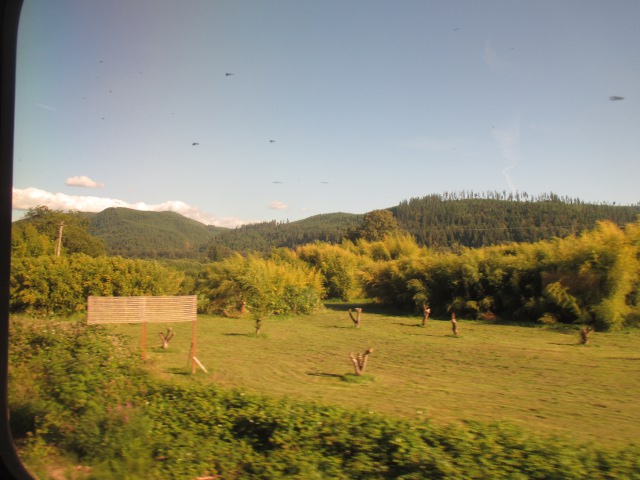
x,y
367,102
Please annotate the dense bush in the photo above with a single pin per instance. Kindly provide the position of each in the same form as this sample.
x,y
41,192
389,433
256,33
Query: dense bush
x,y
280,284
592,278
60,285
339,267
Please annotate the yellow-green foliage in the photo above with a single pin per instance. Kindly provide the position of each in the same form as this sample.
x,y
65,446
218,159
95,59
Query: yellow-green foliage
x,y
591,278
26,241
599,269
340,268
277,285
60,285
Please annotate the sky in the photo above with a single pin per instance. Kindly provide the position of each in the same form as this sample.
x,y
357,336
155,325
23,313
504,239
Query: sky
x,y
241,111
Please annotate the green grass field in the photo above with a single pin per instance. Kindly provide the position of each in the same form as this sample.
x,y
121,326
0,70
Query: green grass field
x,y
537,378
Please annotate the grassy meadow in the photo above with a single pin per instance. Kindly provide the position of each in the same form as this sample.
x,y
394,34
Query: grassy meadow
x,y
538,378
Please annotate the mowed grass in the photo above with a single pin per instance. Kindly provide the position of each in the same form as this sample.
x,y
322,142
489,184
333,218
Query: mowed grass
x,y
537,378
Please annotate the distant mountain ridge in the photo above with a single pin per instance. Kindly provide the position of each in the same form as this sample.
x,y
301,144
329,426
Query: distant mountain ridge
x,y
434,220
139,234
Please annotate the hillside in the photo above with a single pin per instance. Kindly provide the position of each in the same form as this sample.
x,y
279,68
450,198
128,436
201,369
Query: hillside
x,y
133,233
330,227
445,220
435,220
473,221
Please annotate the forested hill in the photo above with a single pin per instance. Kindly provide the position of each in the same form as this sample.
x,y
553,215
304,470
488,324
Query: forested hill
x,y
435,221
330,227
444,220
473,221
137,234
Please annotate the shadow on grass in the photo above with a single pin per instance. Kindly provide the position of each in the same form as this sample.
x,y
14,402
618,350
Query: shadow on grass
x,y
339,326
159,350
367,308
239,334
353,378
347,377
408,324
323,374
179,371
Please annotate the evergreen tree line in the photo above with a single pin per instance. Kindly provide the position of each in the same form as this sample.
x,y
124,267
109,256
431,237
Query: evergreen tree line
x,y
472,220
463,219
262,237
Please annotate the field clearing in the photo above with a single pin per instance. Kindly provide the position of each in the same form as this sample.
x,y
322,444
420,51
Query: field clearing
x,y
537,378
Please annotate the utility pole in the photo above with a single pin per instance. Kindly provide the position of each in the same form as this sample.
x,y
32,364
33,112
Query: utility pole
x,y
59,239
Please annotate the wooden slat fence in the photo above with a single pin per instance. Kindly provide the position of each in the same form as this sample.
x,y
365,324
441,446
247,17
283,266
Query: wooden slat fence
x,y
141,309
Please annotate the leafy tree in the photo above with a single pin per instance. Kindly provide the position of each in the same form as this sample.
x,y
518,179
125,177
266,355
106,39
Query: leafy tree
x,y
47,222
377,224
26,241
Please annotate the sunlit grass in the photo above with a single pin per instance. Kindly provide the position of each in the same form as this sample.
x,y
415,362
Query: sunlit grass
x,y
538,378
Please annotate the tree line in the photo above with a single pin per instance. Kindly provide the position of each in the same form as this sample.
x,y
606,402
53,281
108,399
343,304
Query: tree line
x,y
590,278
445,221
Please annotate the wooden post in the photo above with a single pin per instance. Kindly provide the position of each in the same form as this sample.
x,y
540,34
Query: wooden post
x,y
144,340
143,318
193,349
61,226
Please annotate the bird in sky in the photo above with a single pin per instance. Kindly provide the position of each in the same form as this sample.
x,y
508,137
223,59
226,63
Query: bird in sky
x,y
614,98
272,141
194,144
227,74
277,181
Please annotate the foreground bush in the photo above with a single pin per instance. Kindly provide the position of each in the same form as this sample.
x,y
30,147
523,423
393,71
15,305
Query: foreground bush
x,y
80,390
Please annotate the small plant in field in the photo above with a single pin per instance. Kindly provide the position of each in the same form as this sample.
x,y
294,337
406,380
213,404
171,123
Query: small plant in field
x,y
426,311
360,361
166,338
356,320
258,324
584,334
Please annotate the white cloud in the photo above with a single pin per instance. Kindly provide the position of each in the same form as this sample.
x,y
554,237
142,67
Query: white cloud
x,y
277,205
508,139
26,198
83,181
